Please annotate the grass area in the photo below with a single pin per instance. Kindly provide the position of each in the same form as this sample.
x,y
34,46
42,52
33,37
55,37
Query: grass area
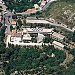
x,y
61,11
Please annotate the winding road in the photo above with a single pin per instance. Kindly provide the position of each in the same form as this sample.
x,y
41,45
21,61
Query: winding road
x,y
48,3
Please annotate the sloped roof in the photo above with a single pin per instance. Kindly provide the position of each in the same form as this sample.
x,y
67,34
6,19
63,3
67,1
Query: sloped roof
x,y
13,22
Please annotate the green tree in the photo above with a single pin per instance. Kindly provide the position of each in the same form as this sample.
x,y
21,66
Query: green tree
x,y
0,24
24,22
73,37
19,22
34,40
47,39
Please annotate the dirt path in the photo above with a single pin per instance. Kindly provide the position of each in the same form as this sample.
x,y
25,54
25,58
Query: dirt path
x,y
68,59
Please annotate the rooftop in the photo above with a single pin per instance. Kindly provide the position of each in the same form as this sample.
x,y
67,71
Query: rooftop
x,y
37,21
14,34
26,37
13,31
43,2
57,35
38,30
58,44
13,22
31,10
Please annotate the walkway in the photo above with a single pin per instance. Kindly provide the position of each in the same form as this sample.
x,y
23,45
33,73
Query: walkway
x,y
68,59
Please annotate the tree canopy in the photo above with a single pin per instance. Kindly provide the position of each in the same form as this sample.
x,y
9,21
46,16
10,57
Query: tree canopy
x,y
20,5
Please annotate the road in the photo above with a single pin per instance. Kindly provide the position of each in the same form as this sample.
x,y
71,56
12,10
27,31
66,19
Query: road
x,y
48,22
6,21
61,25
5,17
3,6
42,8
48,3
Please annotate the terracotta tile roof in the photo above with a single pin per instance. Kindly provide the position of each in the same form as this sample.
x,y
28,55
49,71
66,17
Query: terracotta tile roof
x,y
13,22
31,10
43,2
13,31
16,35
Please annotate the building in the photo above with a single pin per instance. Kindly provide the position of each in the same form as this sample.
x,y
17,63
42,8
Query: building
x,y
26,37
1,1
38,30
40,38
37,21
36,6
31,10
58,36
58,45
47,0
16,37
43,2
13,23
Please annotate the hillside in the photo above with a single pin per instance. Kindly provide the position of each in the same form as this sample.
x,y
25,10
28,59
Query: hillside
x,y
62,11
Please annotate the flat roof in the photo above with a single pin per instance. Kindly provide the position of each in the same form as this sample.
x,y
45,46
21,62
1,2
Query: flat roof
x,y
27,37
37,21
38,30
57,35
58,44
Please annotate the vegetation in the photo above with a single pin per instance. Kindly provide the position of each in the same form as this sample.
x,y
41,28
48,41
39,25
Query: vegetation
x,y
20,5
2,35
19,22
34,40
32,60
29,60
47,39
73,37
0,8
62,11
0,24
